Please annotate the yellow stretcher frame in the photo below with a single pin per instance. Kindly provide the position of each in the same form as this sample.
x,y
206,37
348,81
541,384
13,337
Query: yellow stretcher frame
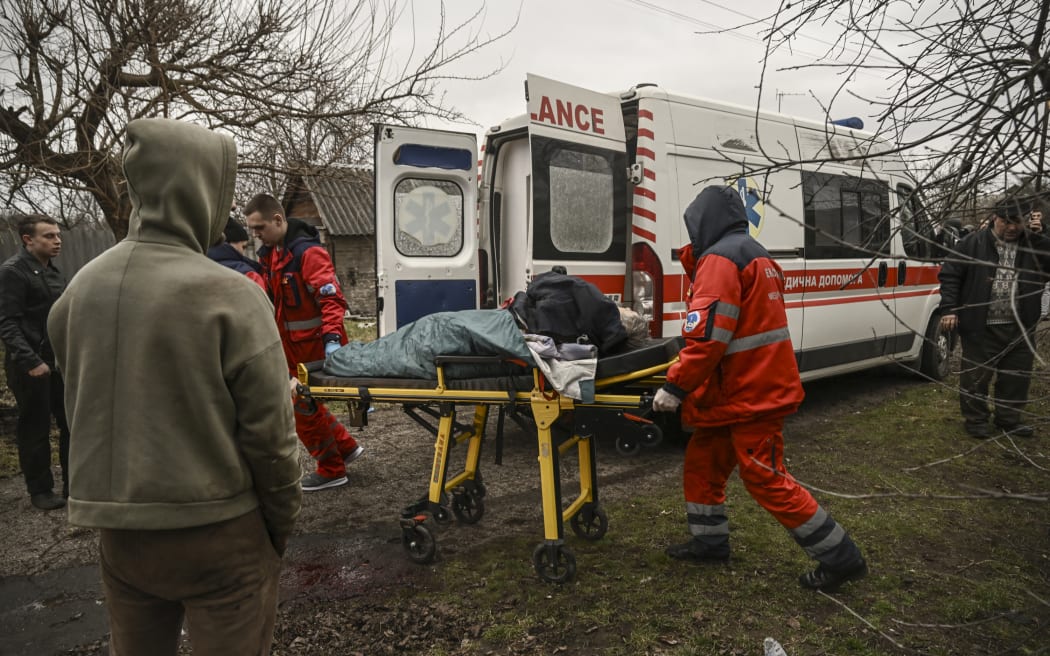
x,y
553,561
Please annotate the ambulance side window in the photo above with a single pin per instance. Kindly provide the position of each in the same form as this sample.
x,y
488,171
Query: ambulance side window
x,y
428,218
915,231
845,216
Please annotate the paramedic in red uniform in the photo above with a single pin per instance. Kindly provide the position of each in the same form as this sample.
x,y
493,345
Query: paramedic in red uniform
x,y
309,306
736,380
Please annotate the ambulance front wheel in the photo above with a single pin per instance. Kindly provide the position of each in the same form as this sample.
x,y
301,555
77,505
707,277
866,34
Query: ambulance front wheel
x,y
935,355
554,563
420,544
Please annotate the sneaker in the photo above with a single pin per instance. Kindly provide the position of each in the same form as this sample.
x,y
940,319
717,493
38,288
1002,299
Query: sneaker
x,y
314,481
978,430
47,501
1019,430
829,580
697,551
354,455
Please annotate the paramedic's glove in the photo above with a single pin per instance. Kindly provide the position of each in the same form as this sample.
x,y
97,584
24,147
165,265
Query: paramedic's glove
x,y
293,387
330,348
664,401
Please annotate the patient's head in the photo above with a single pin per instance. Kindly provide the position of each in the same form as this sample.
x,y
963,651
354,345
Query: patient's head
x,y
636,326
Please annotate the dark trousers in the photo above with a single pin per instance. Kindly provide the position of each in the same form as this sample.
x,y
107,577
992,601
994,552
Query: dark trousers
x,y
38,399
221,578
999,351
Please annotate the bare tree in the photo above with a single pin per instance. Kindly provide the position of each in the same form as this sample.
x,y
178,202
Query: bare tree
x,y
969,84
291,80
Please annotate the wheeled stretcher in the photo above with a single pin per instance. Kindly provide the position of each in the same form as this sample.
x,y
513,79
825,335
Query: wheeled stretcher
x,y
624,387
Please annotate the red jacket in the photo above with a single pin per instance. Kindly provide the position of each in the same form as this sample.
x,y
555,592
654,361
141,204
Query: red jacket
x,y
738,363
308,302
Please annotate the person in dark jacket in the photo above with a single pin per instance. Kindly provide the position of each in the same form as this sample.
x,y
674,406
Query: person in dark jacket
x,y
230,252
29,286
736,379
990,293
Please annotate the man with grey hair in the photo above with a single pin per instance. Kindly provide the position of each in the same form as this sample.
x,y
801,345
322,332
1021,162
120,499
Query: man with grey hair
x,y
991,290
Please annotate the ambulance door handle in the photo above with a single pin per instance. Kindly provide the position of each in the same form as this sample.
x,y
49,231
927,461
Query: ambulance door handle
x,y
884,272
902,273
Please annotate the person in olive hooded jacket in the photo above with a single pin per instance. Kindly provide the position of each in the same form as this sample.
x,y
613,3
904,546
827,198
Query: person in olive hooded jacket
x,y
183,448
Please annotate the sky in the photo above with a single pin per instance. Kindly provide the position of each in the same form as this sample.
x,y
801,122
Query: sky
x,y
611,45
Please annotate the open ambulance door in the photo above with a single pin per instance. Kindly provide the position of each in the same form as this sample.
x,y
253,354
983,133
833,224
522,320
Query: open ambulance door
x,y
580,209
426,225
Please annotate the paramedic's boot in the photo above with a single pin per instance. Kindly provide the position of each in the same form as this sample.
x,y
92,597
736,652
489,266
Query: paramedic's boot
x,y
697,551
313,482
829,580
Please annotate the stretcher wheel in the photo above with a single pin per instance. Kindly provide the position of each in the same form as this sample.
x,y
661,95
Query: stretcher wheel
x,y
652,435
628,445
468,507
419,542
554,563
590,523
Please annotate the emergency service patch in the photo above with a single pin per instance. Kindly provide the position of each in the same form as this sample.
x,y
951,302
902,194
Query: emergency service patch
x,y
328,290
692,320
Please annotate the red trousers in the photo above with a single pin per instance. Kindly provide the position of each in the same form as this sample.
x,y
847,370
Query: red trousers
x,y
323,436
758,449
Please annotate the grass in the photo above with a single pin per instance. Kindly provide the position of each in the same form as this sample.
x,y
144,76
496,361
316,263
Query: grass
x,y
950,574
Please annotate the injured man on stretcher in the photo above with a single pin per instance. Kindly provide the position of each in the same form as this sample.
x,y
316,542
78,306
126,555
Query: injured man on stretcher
x,y
560,324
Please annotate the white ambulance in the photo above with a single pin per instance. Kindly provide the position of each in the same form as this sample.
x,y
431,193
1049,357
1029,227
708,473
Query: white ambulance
x,y
597,183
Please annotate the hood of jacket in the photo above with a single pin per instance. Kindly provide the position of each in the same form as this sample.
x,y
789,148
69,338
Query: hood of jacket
x,y
299,230
189,173
716,212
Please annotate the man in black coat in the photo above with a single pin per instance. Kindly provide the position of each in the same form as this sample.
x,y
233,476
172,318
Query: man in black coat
x,y
990,293
29,286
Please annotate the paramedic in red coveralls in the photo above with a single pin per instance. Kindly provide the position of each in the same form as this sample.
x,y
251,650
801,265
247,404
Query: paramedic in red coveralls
x,y
738,378
309,307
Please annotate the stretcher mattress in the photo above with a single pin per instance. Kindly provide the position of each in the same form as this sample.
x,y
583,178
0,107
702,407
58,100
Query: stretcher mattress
x,y
655,353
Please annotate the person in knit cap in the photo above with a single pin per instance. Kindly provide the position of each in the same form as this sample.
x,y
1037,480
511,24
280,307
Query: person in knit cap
x,y
230,252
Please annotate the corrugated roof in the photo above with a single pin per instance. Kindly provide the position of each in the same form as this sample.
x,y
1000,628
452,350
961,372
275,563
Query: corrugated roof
x,y
344,197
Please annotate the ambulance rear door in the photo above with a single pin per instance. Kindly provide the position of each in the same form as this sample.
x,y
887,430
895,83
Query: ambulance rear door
x,y
426,223
579,190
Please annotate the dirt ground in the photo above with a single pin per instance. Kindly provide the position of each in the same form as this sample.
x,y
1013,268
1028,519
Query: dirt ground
x,y
347,542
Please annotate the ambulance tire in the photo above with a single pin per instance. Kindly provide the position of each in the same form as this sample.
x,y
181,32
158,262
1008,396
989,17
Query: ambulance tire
x,y
935,355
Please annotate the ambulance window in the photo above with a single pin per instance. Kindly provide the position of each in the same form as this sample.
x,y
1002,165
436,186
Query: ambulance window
x,y
914,231
428,218
845,216
581,202
579,205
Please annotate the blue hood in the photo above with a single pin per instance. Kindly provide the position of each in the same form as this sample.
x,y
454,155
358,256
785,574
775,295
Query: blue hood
x,y
716,212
